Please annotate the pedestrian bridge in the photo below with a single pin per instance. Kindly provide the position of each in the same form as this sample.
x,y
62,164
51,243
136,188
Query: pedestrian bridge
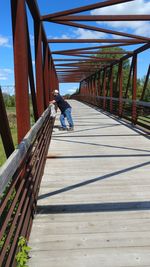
x,y
82,197
93,207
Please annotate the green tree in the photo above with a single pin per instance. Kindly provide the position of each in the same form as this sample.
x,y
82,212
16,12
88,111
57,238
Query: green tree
x,y
146,96
9,100
126,68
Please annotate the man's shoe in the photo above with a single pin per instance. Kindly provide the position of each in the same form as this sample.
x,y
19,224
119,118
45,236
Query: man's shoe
x,y
63,129
70,129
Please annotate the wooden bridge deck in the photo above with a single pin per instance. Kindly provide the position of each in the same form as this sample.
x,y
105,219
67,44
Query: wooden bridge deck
x,y
94,201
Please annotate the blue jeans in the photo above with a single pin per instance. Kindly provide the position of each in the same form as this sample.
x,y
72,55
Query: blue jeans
x,y
66,114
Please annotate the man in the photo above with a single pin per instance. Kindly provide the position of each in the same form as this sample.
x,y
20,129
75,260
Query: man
x,y
65,109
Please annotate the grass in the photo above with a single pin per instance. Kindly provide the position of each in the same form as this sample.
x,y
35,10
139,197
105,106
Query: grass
x,y
2,153
11,113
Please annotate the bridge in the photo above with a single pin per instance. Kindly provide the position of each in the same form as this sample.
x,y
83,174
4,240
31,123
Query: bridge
x,y
79,198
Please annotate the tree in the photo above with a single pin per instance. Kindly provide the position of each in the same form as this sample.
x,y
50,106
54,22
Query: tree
x,y
9,100
126,68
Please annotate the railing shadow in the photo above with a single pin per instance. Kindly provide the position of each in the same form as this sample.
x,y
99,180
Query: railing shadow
x,y
94,207
104,145
90,181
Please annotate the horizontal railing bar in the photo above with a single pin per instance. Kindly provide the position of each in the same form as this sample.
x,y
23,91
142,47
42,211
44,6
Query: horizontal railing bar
x,y
138,102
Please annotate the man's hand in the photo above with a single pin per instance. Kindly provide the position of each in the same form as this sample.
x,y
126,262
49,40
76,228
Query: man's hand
x,y
52,102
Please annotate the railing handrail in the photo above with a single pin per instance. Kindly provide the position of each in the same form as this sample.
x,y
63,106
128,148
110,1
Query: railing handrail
x,y
138,102
13,162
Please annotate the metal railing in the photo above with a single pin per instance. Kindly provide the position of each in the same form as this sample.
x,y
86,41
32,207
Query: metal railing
x,y
20,179
111,104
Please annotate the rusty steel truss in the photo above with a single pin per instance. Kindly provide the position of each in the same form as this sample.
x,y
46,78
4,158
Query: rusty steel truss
x,y
92,67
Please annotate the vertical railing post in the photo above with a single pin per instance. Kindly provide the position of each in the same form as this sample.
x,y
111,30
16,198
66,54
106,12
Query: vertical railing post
x,y
21,66
111,89
145,84
134,89
104,90
88,89
94,90
98,88
120,72
39,66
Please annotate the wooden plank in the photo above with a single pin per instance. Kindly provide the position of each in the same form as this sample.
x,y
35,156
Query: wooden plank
x,y
94,257
90,226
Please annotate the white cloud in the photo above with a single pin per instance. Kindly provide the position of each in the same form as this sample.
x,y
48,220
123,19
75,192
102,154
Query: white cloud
x,y
3,78
130,8
72,90
4,41
9,71
81,34
86,34
5,73
63,36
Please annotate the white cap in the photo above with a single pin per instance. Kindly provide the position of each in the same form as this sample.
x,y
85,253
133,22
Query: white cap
x,y
56,92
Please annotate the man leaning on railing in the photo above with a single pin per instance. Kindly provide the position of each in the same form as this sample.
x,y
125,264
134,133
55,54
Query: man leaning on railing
x,y
65,109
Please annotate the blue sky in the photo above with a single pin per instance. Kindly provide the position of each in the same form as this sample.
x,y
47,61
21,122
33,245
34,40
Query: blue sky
x,y
58,31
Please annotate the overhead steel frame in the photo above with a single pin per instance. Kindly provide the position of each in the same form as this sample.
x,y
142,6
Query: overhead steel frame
x,y
22,174
24,79
100,89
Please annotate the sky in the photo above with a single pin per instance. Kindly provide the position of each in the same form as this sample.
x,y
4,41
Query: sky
x,y
59,31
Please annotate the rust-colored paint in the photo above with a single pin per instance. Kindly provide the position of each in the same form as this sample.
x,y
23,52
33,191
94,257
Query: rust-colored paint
x,y
21,67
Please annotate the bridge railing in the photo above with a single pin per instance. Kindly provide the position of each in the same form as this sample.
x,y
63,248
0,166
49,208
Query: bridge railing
x,y
19,185
112,105
117,89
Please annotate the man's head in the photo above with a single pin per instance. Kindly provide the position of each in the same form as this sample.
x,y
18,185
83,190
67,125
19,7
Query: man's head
x,y
56,92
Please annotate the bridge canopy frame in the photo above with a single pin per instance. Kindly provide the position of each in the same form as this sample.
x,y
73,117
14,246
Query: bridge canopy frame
x,y
22,183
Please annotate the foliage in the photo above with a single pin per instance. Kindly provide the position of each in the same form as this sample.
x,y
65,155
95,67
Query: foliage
x,y
147,92
126,67
9,100
11,113
23,254
66,96
77,91
126,70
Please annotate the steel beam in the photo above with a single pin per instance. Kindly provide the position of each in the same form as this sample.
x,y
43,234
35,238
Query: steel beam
x,y
39,67
120,88
93,28
111,89
85,8
21,66
31,76
89,48
46,74
128,41
102,18
100,53
134,89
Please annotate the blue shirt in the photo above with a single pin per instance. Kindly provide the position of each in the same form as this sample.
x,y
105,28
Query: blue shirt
x,y
61,103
